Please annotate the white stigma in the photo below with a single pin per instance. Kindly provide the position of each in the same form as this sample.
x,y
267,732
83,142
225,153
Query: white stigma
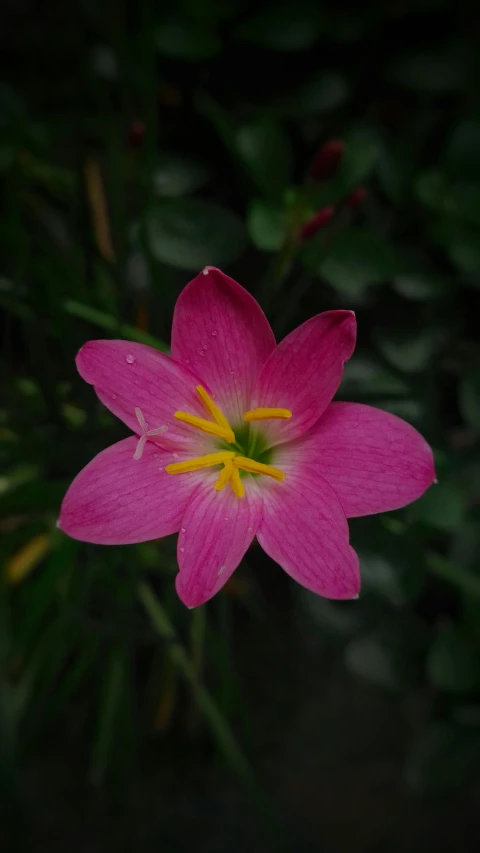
x,y
146,433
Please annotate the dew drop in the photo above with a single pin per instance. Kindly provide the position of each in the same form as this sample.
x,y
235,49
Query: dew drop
x,y
175,455
114,396
182,550
201,352
183,530
226,518
130,359
214,333
187,361
221,570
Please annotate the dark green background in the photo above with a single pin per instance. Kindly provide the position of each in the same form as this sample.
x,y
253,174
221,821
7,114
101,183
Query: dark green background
x,y
360,721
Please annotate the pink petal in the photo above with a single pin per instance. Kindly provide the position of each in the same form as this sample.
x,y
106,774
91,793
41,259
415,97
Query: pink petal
x,y
374,461
304,529
128,376
117,500
220,331
304,372
216,531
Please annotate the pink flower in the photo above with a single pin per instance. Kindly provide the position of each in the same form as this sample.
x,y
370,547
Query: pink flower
x,y
237,437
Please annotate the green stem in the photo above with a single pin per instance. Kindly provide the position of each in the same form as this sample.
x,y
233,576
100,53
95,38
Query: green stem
x,y
218,725
455,575
197,637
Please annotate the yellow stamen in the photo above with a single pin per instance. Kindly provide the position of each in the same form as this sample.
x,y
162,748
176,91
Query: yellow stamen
x,y
206,426
199,462
211,407
258,468
225,475
236,483
265,414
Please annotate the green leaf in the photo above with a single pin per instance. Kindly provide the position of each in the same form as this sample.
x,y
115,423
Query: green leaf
x,y
366,377
186,40
392,567
284,26
191,233
389,658
429,73
263,148
38,496
322,93
453,663
469,398
360,258
177,176
362,152
462,246
111,324
442,506
266,225
443,760
420,287
411,351
433,190
340,619
460,156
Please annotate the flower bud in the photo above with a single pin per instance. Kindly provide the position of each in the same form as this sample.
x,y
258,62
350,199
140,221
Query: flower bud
x,y
316,223
136,133
355,198
327,160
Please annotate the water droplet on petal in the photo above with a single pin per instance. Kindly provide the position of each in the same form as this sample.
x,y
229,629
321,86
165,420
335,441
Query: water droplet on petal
x,y
200,352
221,570
226,518
114,396
182,550
187,361
130,359
183,530
214,333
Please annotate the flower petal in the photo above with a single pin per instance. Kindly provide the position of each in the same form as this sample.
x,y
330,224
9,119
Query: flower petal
x,y
117,500
374,461
304,372
304,529
220,331
127,376
216,531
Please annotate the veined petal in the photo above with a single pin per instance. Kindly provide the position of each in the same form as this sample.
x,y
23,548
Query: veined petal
x,y
304,372
220,331
215,533
118,500
304,529
374,460
129,376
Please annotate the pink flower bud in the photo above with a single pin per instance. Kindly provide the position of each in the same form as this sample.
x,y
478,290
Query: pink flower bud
x,y
136,133
316,223
327,160
355,198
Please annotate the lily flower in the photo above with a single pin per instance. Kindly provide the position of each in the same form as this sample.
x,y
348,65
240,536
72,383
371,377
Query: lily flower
x,y
236,437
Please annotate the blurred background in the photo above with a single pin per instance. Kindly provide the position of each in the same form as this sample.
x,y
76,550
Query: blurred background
x,y
325,155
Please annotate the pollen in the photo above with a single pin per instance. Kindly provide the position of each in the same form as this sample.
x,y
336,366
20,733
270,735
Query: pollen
x,y
209,427
254,467
225,475
207,461
266,414
218,427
